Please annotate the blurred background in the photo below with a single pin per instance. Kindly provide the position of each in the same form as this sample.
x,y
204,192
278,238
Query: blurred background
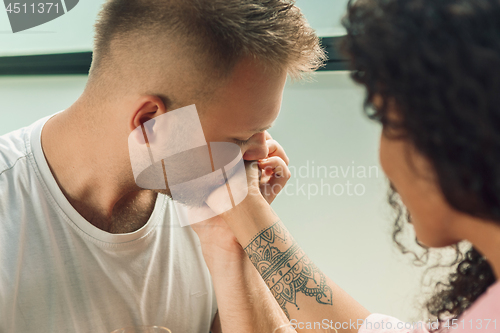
x,y
335,204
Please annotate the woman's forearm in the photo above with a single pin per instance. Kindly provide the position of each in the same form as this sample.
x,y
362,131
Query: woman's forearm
x,y
304,293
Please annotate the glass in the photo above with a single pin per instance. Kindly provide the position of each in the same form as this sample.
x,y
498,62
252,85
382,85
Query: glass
x,y
143,329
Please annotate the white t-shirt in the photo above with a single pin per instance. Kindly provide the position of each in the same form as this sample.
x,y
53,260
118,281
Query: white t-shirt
x,y
59,273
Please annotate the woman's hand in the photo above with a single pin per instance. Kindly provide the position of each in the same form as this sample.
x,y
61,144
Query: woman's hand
x,y
275,172
265,179
218,241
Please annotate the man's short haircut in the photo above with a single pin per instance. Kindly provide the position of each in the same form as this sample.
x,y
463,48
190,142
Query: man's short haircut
x,y
218,33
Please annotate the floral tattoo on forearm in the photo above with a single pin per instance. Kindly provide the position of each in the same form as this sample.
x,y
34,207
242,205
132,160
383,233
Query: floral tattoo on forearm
x,y
286,272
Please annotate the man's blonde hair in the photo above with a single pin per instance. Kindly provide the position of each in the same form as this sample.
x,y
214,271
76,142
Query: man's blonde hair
x,y
215,33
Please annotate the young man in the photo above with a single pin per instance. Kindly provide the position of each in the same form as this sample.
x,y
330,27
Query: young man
x,y
82,247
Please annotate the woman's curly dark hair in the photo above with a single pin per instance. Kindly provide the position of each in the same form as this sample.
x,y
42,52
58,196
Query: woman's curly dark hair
x,y
439,61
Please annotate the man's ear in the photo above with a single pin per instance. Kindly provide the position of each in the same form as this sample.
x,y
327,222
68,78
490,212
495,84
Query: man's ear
x,y
146,107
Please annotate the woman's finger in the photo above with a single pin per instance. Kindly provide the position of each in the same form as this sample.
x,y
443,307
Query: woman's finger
x,y
277,173
275,149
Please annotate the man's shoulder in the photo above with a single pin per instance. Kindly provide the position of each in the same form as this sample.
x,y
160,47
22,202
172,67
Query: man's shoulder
x,y
13,147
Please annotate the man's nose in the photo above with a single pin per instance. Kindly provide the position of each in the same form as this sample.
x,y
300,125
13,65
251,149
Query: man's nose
x,y
257,148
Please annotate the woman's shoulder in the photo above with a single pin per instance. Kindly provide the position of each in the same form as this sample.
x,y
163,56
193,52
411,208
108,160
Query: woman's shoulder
x,y
484,315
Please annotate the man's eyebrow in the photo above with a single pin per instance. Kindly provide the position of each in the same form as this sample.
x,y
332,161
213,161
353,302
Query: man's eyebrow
x,y
264,128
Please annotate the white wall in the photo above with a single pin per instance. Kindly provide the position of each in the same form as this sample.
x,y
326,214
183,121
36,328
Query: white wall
x,y
348,237
324,15
71,32
24,99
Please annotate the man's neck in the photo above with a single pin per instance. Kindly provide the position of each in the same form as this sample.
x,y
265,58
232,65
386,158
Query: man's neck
x,y
87,169
129,214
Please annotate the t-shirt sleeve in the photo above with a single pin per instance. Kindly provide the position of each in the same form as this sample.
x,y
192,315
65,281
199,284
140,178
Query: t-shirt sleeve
x,y
482,317
379,323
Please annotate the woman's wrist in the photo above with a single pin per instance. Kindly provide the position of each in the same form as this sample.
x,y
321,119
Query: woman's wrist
x,y
249,217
